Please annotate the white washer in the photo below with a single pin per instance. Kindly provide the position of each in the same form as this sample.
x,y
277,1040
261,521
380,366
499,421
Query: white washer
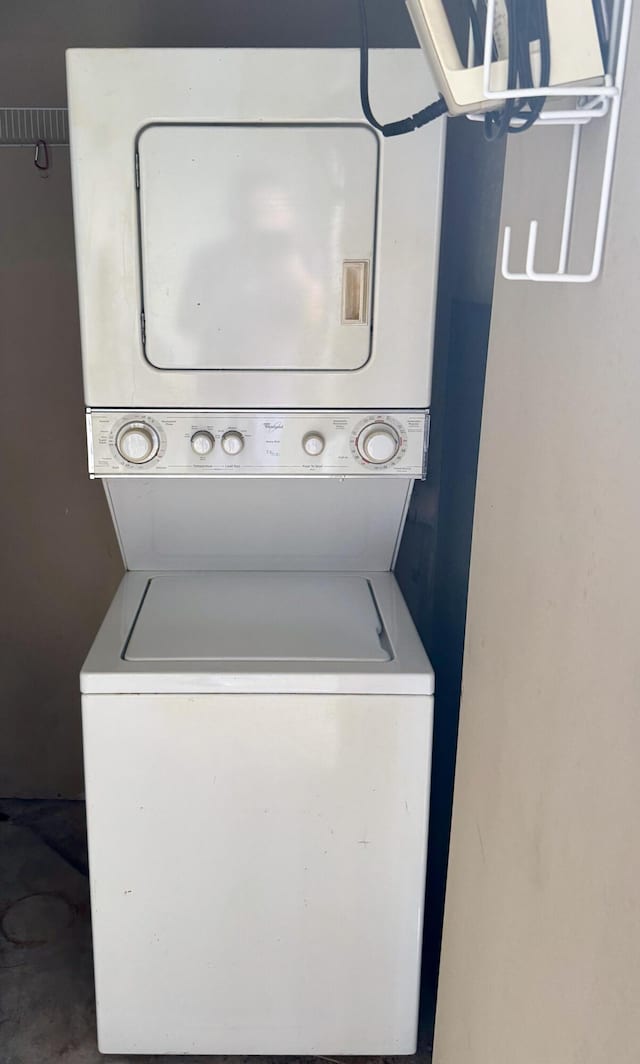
x,y
257,757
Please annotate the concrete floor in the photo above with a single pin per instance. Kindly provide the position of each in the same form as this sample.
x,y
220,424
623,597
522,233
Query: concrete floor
x,y
47,1009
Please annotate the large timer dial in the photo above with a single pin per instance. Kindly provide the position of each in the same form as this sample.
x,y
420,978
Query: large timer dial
x,y
378,443
137,442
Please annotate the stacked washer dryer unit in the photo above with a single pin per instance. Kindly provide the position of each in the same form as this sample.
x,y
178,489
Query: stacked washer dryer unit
x,y
257,273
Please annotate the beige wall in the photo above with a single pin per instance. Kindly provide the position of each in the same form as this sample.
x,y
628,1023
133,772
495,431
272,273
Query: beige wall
x,y
541,949
60,562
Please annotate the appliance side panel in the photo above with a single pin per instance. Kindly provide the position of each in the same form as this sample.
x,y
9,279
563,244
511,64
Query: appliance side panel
x,y
116,526
257,871
402,522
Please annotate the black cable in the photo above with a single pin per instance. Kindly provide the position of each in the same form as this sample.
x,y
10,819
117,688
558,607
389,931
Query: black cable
x,y
527,21
404,125
478,20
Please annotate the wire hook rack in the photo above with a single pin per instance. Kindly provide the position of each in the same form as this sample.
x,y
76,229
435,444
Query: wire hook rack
x,y
591,103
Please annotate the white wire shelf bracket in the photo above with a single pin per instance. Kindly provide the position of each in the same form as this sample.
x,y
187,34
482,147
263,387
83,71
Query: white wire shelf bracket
x,y
592,102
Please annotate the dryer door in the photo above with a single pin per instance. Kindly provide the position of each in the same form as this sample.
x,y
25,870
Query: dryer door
x,y
257,245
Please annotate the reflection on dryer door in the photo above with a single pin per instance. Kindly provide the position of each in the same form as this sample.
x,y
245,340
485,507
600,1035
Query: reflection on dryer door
x,y
257,245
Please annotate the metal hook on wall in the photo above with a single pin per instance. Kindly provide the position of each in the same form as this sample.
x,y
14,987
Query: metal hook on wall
x,y
41,155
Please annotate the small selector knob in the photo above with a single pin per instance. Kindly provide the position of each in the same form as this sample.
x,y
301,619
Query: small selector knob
x,y
313,443
232,442
378,443
137,442
202,442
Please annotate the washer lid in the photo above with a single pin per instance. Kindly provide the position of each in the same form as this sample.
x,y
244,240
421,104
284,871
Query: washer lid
x,y
258,617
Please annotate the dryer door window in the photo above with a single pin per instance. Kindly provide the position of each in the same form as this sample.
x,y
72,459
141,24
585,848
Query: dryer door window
x,y
257,245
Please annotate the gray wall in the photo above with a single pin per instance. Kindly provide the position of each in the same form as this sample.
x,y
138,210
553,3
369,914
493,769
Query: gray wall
x,y
60,562
541,945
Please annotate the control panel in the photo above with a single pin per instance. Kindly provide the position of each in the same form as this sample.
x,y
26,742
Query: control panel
x,y
188,443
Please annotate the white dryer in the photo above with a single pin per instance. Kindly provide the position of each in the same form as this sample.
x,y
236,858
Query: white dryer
x,y
244,238
257,750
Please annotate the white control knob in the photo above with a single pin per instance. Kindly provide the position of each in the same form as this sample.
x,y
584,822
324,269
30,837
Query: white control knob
x,y
232,442
313,443
202,442
378,443
137,442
